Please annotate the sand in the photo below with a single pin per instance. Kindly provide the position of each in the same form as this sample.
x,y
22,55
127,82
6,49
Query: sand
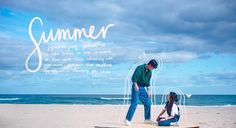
x,y
97,116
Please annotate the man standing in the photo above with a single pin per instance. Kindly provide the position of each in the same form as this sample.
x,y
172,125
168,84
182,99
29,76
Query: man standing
x,y
141,80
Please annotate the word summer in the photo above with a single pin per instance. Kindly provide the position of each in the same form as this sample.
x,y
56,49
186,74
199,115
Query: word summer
x,y
59,35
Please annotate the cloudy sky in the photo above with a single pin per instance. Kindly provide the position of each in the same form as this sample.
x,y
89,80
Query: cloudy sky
x,y
195,39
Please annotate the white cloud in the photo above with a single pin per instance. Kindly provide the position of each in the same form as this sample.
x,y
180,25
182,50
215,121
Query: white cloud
x,y
178,56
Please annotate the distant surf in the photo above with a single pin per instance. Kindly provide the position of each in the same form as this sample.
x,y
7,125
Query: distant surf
x,y
110,98
194,100
9,98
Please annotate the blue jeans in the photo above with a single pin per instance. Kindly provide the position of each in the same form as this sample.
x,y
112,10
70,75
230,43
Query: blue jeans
x,y
143,96
169,121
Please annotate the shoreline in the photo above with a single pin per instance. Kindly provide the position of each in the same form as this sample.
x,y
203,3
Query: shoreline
x,y
119,105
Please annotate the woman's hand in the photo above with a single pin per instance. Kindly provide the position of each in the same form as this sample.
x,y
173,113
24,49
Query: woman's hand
x,y
160,118
169,117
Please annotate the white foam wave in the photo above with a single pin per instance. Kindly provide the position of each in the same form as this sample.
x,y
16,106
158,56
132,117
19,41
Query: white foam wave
x,y
119,98
9,98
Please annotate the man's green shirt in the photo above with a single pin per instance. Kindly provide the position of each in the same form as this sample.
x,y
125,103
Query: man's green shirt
x,y
142,76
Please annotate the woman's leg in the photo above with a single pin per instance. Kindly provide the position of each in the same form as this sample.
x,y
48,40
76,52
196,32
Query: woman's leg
x,y
167,122
133,105
164,123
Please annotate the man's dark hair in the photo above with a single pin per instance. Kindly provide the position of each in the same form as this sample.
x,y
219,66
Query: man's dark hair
x,y
153,63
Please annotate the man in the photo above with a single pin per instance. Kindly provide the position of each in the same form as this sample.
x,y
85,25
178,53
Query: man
x,y
141,80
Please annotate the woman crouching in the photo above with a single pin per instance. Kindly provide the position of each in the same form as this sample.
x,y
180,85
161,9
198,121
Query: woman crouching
x,y
172,111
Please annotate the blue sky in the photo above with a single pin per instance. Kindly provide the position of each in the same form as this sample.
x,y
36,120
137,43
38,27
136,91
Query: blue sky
x,y
195,39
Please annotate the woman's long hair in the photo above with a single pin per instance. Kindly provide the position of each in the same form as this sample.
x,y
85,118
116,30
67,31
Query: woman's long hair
x,y
169,104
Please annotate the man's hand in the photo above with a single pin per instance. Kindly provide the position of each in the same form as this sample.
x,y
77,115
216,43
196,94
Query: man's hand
x,y
136,88
148,92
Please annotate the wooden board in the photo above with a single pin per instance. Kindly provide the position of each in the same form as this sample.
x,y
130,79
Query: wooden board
x,y
143,125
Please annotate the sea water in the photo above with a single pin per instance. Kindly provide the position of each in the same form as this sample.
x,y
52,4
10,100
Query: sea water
x,y
194,100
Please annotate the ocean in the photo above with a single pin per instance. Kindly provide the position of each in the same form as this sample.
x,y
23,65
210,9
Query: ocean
x,y
194,100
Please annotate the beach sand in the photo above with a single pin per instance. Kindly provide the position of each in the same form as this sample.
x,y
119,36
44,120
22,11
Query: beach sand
x,y
98,116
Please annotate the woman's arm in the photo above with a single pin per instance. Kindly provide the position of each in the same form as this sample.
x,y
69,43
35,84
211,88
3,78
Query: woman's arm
x,y
169,117
162,112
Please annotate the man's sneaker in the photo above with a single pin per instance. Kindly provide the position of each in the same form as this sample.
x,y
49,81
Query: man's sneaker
x,y
128,123
148,121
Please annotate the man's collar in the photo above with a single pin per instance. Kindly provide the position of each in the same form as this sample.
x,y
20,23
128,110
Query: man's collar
x,y
146,69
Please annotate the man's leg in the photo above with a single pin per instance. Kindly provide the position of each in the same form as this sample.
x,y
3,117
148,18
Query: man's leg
x,y
133,105
146,102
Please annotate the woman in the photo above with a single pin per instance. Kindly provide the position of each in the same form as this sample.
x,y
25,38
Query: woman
x,y
172,111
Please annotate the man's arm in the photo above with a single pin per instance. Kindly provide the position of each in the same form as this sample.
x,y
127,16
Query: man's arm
x,y
148,87
135,78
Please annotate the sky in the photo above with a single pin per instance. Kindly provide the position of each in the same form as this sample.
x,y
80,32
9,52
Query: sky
x,y
196,41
